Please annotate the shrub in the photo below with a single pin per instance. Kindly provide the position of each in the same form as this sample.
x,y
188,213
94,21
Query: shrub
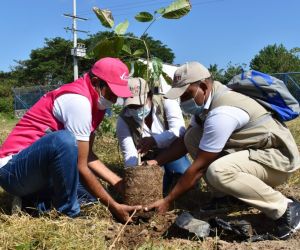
x,y
6,105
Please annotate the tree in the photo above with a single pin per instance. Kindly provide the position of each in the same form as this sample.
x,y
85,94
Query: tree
x,y
6,96
217,74
224,76
233,70
276,59
157,48
53,63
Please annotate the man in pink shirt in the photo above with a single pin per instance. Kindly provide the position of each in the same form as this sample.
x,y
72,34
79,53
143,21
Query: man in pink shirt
x,y
51,146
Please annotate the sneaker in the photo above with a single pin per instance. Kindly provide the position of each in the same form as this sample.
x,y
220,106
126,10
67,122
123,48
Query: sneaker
x,y
289,222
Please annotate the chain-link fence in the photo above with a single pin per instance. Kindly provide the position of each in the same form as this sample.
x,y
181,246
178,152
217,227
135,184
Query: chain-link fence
x,y
25,97
292,81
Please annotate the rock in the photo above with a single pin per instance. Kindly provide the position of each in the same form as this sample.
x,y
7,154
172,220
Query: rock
x,y
188,222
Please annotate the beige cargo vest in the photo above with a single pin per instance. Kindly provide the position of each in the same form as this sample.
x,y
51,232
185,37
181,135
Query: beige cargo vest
x,y
269,142
136,130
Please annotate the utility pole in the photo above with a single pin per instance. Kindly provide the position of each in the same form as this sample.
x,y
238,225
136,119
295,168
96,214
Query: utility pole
x,y
78,50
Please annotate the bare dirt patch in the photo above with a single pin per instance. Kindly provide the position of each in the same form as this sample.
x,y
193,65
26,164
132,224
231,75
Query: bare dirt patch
x,y
161,230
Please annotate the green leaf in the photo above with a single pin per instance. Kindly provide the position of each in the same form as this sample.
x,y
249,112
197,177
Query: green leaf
x,y
138,52
121,28
90,55
105,17
110,47
144,17
25,246
140,70
157,68
160,11
167,78
177,9
126,49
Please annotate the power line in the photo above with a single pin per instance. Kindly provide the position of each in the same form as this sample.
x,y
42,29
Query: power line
x,y
128,6
116,14
208,2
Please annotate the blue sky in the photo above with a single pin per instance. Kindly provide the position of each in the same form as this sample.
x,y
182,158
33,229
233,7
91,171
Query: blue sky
x,y
215,31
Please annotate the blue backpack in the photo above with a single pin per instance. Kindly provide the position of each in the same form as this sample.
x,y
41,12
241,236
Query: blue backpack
x,y
269,91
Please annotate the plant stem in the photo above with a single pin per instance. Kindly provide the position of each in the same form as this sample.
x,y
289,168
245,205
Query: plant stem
x,y
150,25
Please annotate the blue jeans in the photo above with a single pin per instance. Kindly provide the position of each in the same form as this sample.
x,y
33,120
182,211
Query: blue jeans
x,y
47,168
41,201
173,169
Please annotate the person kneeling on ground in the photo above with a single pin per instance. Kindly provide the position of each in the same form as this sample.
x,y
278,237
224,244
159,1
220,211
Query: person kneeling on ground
x,y
163,124
51,146
234,156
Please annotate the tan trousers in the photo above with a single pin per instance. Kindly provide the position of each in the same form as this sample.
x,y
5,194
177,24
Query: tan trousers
x,y
235,174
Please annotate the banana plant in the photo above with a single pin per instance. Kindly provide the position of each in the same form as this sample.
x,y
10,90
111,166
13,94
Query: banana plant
x,y
149,68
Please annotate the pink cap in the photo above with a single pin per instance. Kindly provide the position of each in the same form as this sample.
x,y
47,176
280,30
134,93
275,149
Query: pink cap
x,y
115,73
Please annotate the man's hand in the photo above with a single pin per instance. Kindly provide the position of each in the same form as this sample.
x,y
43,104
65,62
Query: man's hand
x,y
146,144
152,162
122,211
161,206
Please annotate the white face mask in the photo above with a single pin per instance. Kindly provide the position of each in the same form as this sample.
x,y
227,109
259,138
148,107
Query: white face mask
x,y
139,113
104,103
191,107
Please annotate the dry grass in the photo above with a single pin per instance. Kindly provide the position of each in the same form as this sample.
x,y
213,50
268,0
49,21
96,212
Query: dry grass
x,y
88,232
52,231
25,232
294,127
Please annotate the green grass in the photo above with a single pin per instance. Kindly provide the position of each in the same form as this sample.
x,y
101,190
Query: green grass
x,y
6,124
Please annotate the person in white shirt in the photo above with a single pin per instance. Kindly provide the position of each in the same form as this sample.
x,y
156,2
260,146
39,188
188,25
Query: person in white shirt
x,y
238,147
51,147
163,123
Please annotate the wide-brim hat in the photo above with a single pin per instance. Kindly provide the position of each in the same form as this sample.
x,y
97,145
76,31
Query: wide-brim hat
x,y
139,90
186,74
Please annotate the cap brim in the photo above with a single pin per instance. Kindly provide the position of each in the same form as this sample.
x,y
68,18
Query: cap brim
x,y
175,93
136,100
120,90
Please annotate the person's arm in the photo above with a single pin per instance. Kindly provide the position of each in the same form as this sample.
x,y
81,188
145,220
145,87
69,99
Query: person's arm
x,y
127,145
66,111
101,171
218,127
176,128
120,211
186,182
176,150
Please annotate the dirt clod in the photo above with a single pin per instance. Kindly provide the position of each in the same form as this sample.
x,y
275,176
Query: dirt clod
x,y
143,185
